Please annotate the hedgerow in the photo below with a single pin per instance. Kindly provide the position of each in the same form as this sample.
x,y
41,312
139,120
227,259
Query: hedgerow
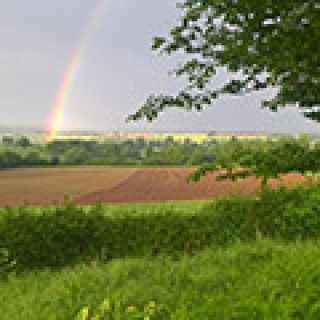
x,y
69,234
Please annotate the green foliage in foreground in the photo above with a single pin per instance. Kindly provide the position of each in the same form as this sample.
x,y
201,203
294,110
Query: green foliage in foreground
x,y
255,258
261,280
245,38
62,236
6,264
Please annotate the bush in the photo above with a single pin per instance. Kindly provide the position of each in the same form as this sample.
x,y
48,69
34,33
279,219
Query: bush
x,y
68,234
286,214
7,265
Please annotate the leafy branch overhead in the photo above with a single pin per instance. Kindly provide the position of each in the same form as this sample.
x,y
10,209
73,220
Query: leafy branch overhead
x,y
264,160
270,43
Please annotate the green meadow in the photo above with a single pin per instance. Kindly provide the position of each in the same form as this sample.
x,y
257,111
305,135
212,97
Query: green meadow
x,y
232,258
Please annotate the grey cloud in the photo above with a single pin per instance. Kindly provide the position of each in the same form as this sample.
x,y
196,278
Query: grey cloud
x,y
117,73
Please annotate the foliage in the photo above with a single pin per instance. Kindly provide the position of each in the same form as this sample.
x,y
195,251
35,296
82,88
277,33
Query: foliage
x,y
245,37
8,140
128,152
162,151
76,155
261,280
16,156
7,265
71,234
264,160
23,142
244,252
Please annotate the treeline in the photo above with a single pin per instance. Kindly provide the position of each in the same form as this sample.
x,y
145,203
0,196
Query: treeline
x,y
21,152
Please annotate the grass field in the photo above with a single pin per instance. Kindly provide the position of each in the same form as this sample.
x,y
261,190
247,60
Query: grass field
x,y
251,256
47,186
247,281
243,278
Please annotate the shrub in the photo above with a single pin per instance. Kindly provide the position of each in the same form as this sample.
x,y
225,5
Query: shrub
x,y
7,265
286,214
66,235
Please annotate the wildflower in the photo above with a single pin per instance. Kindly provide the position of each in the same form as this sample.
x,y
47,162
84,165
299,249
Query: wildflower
x,y
106,305
150,308
85,313
131,309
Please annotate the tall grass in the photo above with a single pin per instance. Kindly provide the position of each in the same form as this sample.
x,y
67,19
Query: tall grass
x,y
262,280
234,258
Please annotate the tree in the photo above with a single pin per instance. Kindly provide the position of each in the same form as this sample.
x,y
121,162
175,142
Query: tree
x,y
55,160
33,158
169,140
141,142
264,159
8,140
23,142
270,43
76,156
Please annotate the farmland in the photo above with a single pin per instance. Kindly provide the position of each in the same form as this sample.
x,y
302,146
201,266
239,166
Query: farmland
x,y
224,252
196,137
71,257
47,186
103,217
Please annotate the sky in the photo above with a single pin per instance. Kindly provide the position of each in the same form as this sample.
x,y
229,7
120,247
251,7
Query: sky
x,y
118,71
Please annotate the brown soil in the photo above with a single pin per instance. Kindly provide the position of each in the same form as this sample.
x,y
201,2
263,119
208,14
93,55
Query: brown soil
x,y
149,185
47,186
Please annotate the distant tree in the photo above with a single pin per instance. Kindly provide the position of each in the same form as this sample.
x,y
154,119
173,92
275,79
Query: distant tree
x,y
213,141
195,157
270,43
207,159
23,142
33,158
55,161
155,143
169,140
141,143
10,159
76,156
173,154
8,140
57,146
212,133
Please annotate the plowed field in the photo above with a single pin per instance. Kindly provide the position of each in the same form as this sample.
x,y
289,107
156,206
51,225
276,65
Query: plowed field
x,y
47,186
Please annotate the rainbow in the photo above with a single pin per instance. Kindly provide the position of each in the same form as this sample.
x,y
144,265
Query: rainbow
x,y
64,92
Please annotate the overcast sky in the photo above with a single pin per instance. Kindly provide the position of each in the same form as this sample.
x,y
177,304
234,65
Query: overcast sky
x,y
117,73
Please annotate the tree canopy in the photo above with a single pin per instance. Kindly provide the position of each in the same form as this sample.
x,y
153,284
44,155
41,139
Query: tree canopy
x,y
264,159
270,43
